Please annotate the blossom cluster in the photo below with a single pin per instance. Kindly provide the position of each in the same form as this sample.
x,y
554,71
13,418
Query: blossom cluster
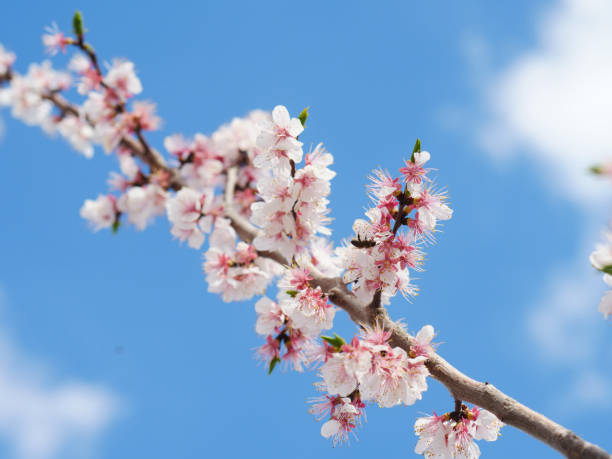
x,y
27,93
452,435
369,369
601,259
235,270
295,320
255,167
7,59
344,413
294,201
203,159
381,254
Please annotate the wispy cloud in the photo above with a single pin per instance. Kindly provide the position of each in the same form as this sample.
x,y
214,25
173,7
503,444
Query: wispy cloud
x,y
553,103
589,391
551,107
40,418
564,323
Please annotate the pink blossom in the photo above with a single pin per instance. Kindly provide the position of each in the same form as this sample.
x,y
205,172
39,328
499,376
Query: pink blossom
x,y
343,370
431,208
122,79
338,375
383,185
376,335
25,94
414,173
294,207
485,425
142,203
601,259
178,146
201,163
313,180
345,414
90,78
188,211
462,442
278,140
321,255
393,378
453,435
79,133
234,139
235,281
602,256
55,40
296,279
101,213
270,350
7,59
309,310
422,342
433,432
142,117
269,316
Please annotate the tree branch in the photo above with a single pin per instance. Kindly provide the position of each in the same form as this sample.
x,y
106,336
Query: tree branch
x,y
461,387
243,227
139,147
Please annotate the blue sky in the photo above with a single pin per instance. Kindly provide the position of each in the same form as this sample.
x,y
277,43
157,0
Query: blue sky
x,y
500,95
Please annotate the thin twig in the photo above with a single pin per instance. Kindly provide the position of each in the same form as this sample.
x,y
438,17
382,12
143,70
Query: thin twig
x,y
460,386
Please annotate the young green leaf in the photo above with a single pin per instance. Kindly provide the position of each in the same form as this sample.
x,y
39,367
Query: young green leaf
x,y
77,24
273,363
303,116
336,342
416,149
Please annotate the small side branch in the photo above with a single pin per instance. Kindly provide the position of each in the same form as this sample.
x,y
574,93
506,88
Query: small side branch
x,y
461,386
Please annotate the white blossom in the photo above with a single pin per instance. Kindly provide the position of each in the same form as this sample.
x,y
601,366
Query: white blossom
x,y
7,59
101,213
278,140
142,203
187,211
122,78
79,133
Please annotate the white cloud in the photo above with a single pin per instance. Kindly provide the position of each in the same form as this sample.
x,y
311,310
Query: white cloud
x,y
589,391
568,332
551,109
564,323
40,419
553,103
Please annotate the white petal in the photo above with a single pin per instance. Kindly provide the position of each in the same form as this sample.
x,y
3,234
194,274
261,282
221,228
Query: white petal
x,y
330,428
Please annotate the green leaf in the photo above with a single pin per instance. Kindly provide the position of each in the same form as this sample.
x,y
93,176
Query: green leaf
x,y
292,293
607,269
77,24
596,169
416,149
303,116
116,225
336,342
273,363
